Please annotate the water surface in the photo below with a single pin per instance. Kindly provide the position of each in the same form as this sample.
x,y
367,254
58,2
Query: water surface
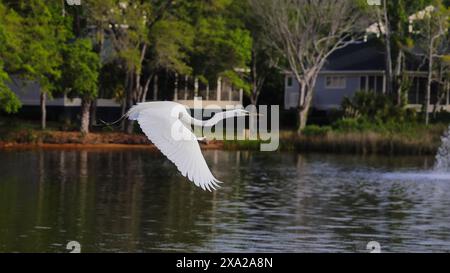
x,y
135,201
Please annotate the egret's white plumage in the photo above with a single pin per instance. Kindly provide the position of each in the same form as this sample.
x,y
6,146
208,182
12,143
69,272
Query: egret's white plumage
x,y
167,124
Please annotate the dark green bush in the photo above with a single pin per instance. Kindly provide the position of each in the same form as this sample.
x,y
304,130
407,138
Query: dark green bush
x,y
376,108
352,124
314,130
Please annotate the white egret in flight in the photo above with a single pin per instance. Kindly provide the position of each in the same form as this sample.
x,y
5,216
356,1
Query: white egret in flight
x,y
167,124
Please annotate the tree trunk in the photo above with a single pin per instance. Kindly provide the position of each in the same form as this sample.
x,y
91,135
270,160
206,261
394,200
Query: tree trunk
x,y
252,100
98,48
43,101
254,95
441,92
129,124
93,112
145,90
302,118
389,76
401,99
129,102
307,86
429,81
303,107
133,88
85,113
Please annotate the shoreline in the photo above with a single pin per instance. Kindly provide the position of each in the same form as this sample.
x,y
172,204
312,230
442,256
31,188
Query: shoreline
x,y
97,146
357,143
36,139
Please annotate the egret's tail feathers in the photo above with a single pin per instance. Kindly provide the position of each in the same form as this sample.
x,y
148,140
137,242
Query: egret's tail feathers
x,y
104,123
132,114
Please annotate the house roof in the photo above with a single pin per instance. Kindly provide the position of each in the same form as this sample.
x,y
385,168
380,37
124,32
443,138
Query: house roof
x,y
357,57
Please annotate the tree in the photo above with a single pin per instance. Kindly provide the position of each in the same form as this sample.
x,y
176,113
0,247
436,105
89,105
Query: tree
x,y
170,41
9,57
442,79
392,19
127,24
306,33
44,32
9,102
263,57
222,44
81,70
263,60
431,43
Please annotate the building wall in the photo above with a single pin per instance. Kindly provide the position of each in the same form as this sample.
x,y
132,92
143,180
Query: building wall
x,y
327,98
29,94
331,98
324,98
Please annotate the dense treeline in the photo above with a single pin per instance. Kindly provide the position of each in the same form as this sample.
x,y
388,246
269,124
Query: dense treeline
x,y
116,47
62,46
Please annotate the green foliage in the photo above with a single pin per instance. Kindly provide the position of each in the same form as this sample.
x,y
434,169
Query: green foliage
x,y
236,80
371,112
9,56
10,38
9,102
129,29
220,44
81,69
44,33
409,130
376,108
431,32
171,40
353,124
315,130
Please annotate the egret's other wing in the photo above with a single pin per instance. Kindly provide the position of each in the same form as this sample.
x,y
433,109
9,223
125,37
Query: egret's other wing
x,y
179,144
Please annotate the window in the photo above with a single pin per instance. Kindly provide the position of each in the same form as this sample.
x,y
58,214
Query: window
x,y
363,84
335,82
379,85
289,82
372,84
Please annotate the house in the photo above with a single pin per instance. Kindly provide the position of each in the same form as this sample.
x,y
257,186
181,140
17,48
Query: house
x,y
59,107
184,90
361,67
353,68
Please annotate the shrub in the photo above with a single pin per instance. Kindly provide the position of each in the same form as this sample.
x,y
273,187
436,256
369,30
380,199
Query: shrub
x,y
352,124
376,108
314,130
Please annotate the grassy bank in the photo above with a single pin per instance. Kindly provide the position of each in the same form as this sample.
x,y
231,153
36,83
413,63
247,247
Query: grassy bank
x,y
29,132
16,133
410,140
343,137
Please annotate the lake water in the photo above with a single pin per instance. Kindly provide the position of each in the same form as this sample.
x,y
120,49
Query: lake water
x,y
135,201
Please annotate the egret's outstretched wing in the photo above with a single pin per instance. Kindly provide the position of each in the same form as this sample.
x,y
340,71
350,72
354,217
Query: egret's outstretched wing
x,y
179,144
